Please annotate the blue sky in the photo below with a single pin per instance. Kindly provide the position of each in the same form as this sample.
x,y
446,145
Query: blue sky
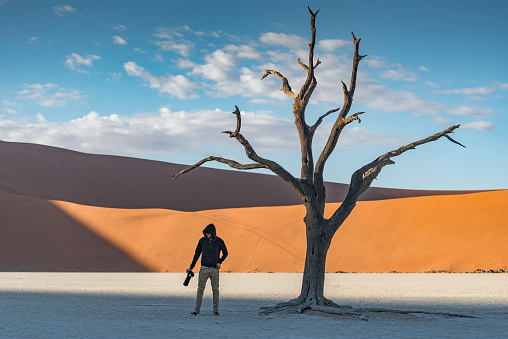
x,y
159,80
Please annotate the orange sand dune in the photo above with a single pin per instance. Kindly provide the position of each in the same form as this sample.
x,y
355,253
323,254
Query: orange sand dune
x,y
110,181
456,233
50,219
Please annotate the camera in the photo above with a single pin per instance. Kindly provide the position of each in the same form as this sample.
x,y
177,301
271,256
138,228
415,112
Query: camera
x,y
190,274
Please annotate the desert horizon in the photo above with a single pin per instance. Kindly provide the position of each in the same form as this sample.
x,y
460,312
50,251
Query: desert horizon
x,y
144,222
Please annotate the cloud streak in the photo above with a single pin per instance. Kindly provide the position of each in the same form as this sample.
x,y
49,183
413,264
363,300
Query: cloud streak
x,y
175,85
63,10
119,41
49,95
167,132
75,62
482,126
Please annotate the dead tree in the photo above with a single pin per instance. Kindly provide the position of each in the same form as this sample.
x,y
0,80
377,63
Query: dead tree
x,y
310,185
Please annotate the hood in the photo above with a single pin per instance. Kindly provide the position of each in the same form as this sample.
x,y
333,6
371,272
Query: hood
x,y
210,229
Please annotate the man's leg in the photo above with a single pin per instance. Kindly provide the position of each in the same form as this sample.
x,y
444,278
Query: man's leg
x,y
214,277
203,276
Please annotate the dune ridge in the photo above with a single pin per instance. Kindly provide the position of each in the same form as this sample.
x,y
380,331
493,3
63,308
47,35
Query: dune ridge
x,y
120,182
69,211
458,233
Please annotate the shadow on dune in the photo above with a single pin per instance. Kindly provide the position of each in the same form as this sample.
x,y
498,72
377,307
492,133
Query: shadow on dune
x,y
121,182
37,236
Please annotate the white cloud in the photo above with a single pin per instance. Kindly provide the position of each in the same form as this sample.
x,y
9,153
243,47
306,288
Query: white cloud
x,y
441,120
476,98
471,91
75,61
8,103
40,118
33,39
331,45
139,50
185,63
382,98
164,132
398,74
279,56
431,84
114,76
502,85
374,62
479,126
119,41
292,41
49,95
65,9
218,66
174,85
171,40
473,110
244,52
10,110
167,132
119,27
424,69
158,58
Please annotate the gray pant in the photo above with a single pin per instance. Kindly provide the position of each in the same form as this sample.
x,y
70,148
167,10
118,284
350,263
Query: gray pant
x,y
204,274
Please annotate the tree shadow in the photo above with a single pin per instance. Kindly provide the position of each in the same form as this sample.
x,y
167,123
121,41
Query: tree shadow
x,y
111,314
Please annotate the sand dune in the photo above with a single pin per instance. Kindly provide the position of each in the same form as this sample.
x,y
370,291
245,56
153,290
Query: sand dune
x,y
70,211
36,236
120,182
457,233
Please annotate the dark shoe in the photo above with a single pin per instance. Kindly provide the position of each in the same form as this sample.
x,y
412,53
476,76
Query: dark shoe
x,y
216,313
194,313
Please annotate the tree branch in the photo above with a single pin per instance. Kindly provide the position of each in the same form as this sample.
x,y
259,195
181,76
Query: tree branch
x,y
363,178
285,84
341,121
238,123
302,65
352,118
229,162
320,120
265,163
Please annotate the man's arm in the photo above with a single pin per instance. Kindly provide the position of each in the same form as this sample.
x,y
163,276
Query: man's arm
x,y
224,251
197,253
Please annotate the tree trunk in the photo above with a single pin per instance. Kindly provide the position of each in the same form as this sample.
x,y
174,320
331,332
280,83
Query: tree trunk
x,y
318,243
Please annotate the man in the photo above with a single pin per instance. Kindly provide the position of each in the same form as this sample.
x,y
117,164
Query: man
x,y
209,247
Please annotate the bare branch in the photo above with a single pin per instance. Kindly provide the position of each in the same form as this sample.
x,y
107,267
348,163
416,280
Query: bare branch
x,y
265,163
346,92
320,120
229,162
342,119
363,178
302,65
285,84
450,138
238,123
310,83
352,118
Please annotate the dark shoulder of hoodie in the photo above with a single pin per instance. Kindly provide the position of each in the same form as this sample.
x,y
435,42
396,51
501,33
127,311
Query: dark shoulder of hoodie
x,y
220,240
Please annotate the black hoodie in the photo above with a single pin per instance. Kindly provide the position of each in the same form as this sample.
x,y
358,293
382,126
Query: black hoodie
x,y
210,249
